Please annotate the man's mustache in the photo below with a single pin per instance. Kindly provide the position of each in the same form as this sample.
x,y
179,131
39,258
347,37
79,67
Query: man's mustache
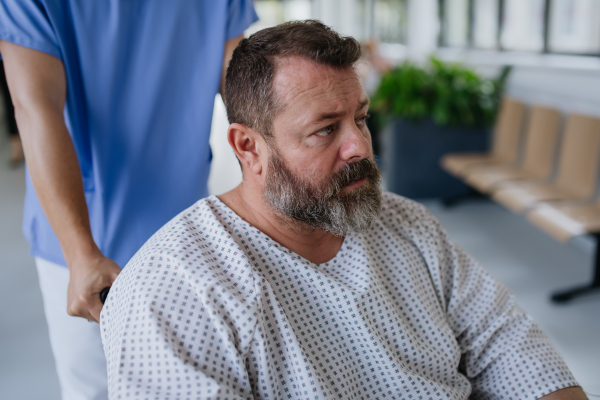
x,y
365,168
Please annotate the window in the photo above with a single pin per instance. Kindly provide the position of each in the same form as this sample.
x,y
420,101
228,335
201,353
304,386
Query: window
x,y
275,12
455,23
523,25
384,20
542,26
485,24
575,26
390,20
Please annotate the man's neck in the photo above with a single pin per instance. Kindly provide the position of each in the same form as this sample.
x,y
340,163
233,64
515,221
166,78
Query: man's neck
x,y
313,244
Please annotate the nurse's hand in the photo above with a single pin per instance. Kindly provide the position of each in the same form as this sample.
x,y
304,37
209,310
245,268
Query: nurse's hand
x,y
38,88
88,277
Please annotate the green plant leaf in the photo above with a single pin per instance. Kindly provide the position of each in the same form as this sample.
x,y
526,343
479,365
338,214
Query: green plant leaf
x,y
449,93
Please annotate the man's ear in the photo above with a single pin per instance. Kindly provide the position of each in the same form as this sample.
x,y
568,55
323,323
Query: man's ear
x,y
249,147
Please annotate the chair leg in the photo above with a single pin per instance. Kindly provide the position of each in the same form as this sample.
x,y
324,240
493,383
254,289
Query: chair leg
x,y
567,295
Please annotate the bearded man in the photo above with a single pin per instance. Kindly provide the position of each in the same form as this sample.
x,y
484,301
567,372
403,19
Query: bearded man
x,y
306,281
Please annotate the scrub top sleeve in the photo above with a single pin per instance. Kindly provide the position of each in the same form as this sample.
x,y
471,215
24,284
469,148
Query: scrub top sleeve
x,y
240,15
25,23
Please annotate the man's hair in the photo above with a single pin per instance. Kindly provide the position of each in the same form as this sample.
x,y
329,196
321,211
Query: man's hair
x,y
249,96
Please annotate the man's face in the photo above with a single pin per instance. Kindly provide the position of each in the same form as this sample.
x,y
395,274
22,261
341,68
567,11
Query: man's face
x,y
321,169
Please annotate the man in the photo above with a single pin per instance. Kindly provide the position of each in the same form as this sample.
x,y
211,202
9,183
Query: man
x,y
305,281
114,101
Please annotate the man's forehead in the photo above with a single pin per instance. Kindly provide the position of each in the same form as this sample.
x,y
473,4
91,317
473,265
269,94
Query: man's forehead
x,y
299,79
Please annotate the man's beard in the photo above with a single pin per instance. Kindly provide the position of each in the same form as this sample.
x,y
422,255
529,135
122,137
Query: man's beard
x,y
324,207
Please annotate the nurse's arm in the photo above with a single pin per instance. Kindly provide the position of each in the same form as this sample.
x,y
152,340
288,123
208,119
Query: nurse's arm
x,y
230,46
38,88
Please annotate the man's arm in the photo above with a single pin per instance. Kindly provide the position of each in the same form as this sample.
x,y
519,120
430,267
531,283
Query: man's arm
x,y
199,330
230,46
503,351
38,89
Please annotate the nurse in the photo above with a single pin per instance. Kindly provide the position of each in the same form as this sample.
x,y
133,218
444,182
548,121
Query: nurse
x,y
114,101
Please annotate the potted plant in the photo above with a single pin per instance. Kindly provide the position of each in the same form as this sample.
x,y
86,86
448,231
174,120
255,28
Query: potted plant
x,y
428,112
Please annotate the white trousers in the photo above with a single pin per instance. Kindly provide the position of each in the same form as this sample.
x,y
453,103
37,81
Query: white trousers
x,y
75,342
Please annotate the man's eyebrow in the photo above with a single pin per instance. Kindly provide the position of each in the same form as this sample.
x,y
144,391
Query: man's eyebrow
x,y
363,104
326,116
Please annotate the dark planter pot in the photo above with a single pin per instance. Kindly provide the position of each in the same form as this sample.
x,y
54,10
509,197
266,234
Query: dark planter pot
x,y
412,152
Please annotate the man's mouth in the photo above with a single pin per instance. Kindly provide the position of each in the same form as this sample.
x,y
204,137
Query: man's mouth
x,y
356,183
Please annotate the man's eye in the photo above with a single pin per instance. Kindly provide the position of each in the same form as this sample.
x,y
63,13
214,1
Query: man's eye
x,y
325,131
363,120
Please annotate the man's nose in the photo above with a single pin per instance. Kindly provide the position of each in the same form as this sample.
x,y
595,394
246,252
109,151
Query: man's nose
x,y
356,144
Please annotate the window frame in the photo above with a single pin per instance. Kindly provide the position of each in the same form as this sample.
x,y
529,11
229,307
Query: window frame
x,y
370,22
501,3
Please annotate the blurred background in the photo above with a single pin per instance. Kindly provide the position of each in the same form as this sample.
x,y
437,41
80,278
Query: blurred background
x,y
516,81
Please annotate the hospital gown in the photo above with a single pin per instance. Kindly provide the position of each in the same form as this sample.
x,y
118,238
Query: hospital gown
x,y
212,308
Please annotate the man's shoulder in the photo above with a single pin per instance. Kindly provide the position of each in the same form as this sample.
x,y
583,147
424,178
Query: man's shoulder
x,y
191,263
194,238
197,252
408,219
398,212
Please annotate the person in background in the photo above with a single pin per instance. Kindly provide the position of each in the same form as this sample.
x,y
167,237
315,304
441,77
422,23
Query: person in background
x,y
114,101
16,149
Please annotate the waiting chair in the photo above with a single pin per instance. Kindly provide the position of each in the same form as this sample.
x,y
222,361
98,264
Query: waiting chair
x,y
505,142
577,169
540,145
564,221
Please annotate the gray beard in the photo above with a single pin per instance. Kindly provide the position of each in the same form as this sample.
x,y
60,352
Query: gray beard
x,y
304,206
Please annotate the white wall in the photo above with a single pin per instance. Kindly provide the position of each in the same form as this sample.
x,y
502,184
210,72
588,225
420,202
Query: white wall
x,y
567,90
225,171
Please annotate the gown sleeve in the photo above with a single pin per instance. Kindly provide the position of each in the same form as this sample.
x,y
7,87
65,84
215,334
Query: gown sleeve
x,y
169,333
504,352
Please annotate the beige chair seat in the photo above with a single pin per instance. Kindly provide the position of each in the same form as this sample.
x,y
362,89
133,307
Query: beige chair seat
x,y
485,181
457,163
577,170
518,198
565,221
505,144
539,147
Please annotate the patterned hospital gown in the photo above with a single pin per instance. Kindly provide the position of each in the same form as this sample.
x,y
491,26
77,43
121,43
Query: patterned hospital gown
x,y
212,308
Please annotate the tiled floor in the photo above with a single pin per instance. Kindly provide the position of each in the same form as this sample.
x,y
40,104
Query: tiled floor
x,y
525,259
26,362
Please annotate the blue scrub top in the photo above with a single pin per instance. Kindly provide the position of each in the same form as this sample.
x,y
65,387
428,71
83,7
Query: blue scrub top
x,y
142,76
